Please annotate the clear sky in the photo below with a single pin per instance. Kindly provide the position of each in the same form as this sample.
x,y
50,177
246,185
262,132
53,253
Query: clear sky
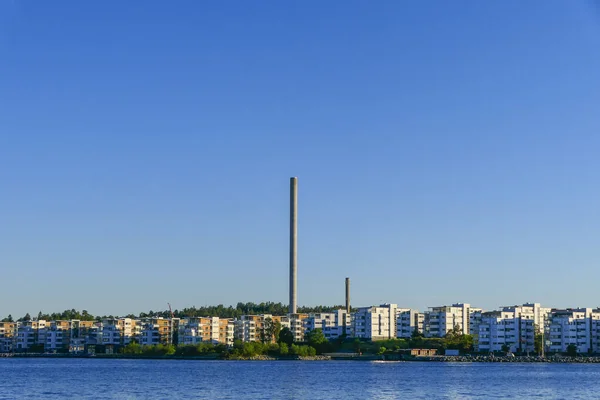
x,y
446,152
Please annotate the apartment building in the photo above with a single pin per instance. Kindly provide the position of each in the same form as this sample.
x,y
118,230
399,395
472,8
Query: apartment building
x,y
438,321
31,335
190,331
333,325
475,315
408,321
511,329
344,320
573,327
298,325
8,332
226,331
251,328
156,330
117,331
540,315
195,330
58,335
376,322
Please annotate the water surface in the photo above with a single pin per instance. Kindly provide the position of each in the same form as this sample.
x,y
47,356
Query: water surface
x,y
314,380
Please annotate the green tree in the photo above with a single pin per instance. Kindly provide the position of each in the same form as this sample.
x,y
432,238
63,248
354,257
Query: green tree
x,y
276,331
27,317
169,349
455,339
132,348
286,336
416,334
187,350
8,319
315,337
85,316
270,331
572,350
36,348
251,349
318,341
356,344
303,350
538,342
294,349
283,349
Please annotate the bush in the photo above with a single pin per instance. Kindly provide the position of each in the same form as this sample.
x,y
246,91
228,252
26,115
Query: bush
x,y
132,348
283,349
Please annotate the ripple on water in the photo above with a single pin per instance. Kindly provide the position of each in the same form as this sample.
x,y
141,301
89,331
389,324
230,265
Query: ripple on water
x,y
168,379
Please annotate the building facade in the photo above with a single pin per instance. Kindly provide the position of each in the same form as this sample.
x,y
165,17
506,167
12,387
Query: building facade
x,y
376,322
572,327
408,322
509,330
439,321
333,324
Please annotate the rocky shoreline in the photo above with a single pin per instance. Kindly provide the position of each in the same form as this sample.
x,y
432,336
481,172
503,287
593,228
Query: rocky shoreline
x,y
450,359
513,359
292,358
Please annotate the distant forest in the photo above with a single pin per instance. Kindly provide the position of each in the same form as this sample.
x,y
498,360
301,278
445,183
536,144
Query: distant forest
x,y
220,311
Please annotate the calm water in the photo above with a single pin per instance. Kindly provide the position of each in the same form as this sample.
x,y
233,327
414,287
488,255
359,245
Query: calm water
x,y
166,379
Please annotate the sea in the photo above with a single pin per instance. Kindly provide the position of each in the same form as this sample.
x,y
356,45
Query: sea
x,y
43,378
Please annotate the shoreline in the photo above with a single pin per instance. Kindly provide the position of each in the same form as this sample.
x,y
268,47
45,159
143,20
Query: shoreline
x,y
554,359
364,358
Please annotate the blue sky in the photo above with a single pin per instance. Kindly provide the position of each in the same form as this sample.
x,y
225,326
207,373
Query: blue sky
x,y
446,151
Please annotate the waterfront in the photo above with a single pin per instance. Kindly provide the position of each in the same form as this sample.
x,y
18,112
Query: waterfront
x,y
173,379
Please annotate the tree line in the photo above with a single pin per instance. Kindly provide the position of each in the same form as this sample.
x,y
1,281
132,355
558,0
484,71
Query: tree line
x,y
237,351
65,315
281,344
220,311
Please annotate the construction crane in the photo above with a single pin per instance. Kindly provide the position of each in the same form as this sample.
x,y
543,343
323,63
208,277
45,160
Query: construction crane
x,y
170,310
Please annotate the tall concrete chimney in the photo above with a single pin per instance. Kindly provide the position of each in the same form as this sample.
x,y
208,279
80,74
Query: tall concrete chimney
x,y
293,244
348,295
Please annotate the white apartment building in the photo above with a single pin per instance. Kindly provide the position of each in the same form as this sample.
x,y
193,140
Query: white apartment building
x,y
572,327
333,325
408,321
251,328
56,337
321,321
375,323
190,331
342,325
539,314
298,326
441,320
595,330
248,328
474,321
511,329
